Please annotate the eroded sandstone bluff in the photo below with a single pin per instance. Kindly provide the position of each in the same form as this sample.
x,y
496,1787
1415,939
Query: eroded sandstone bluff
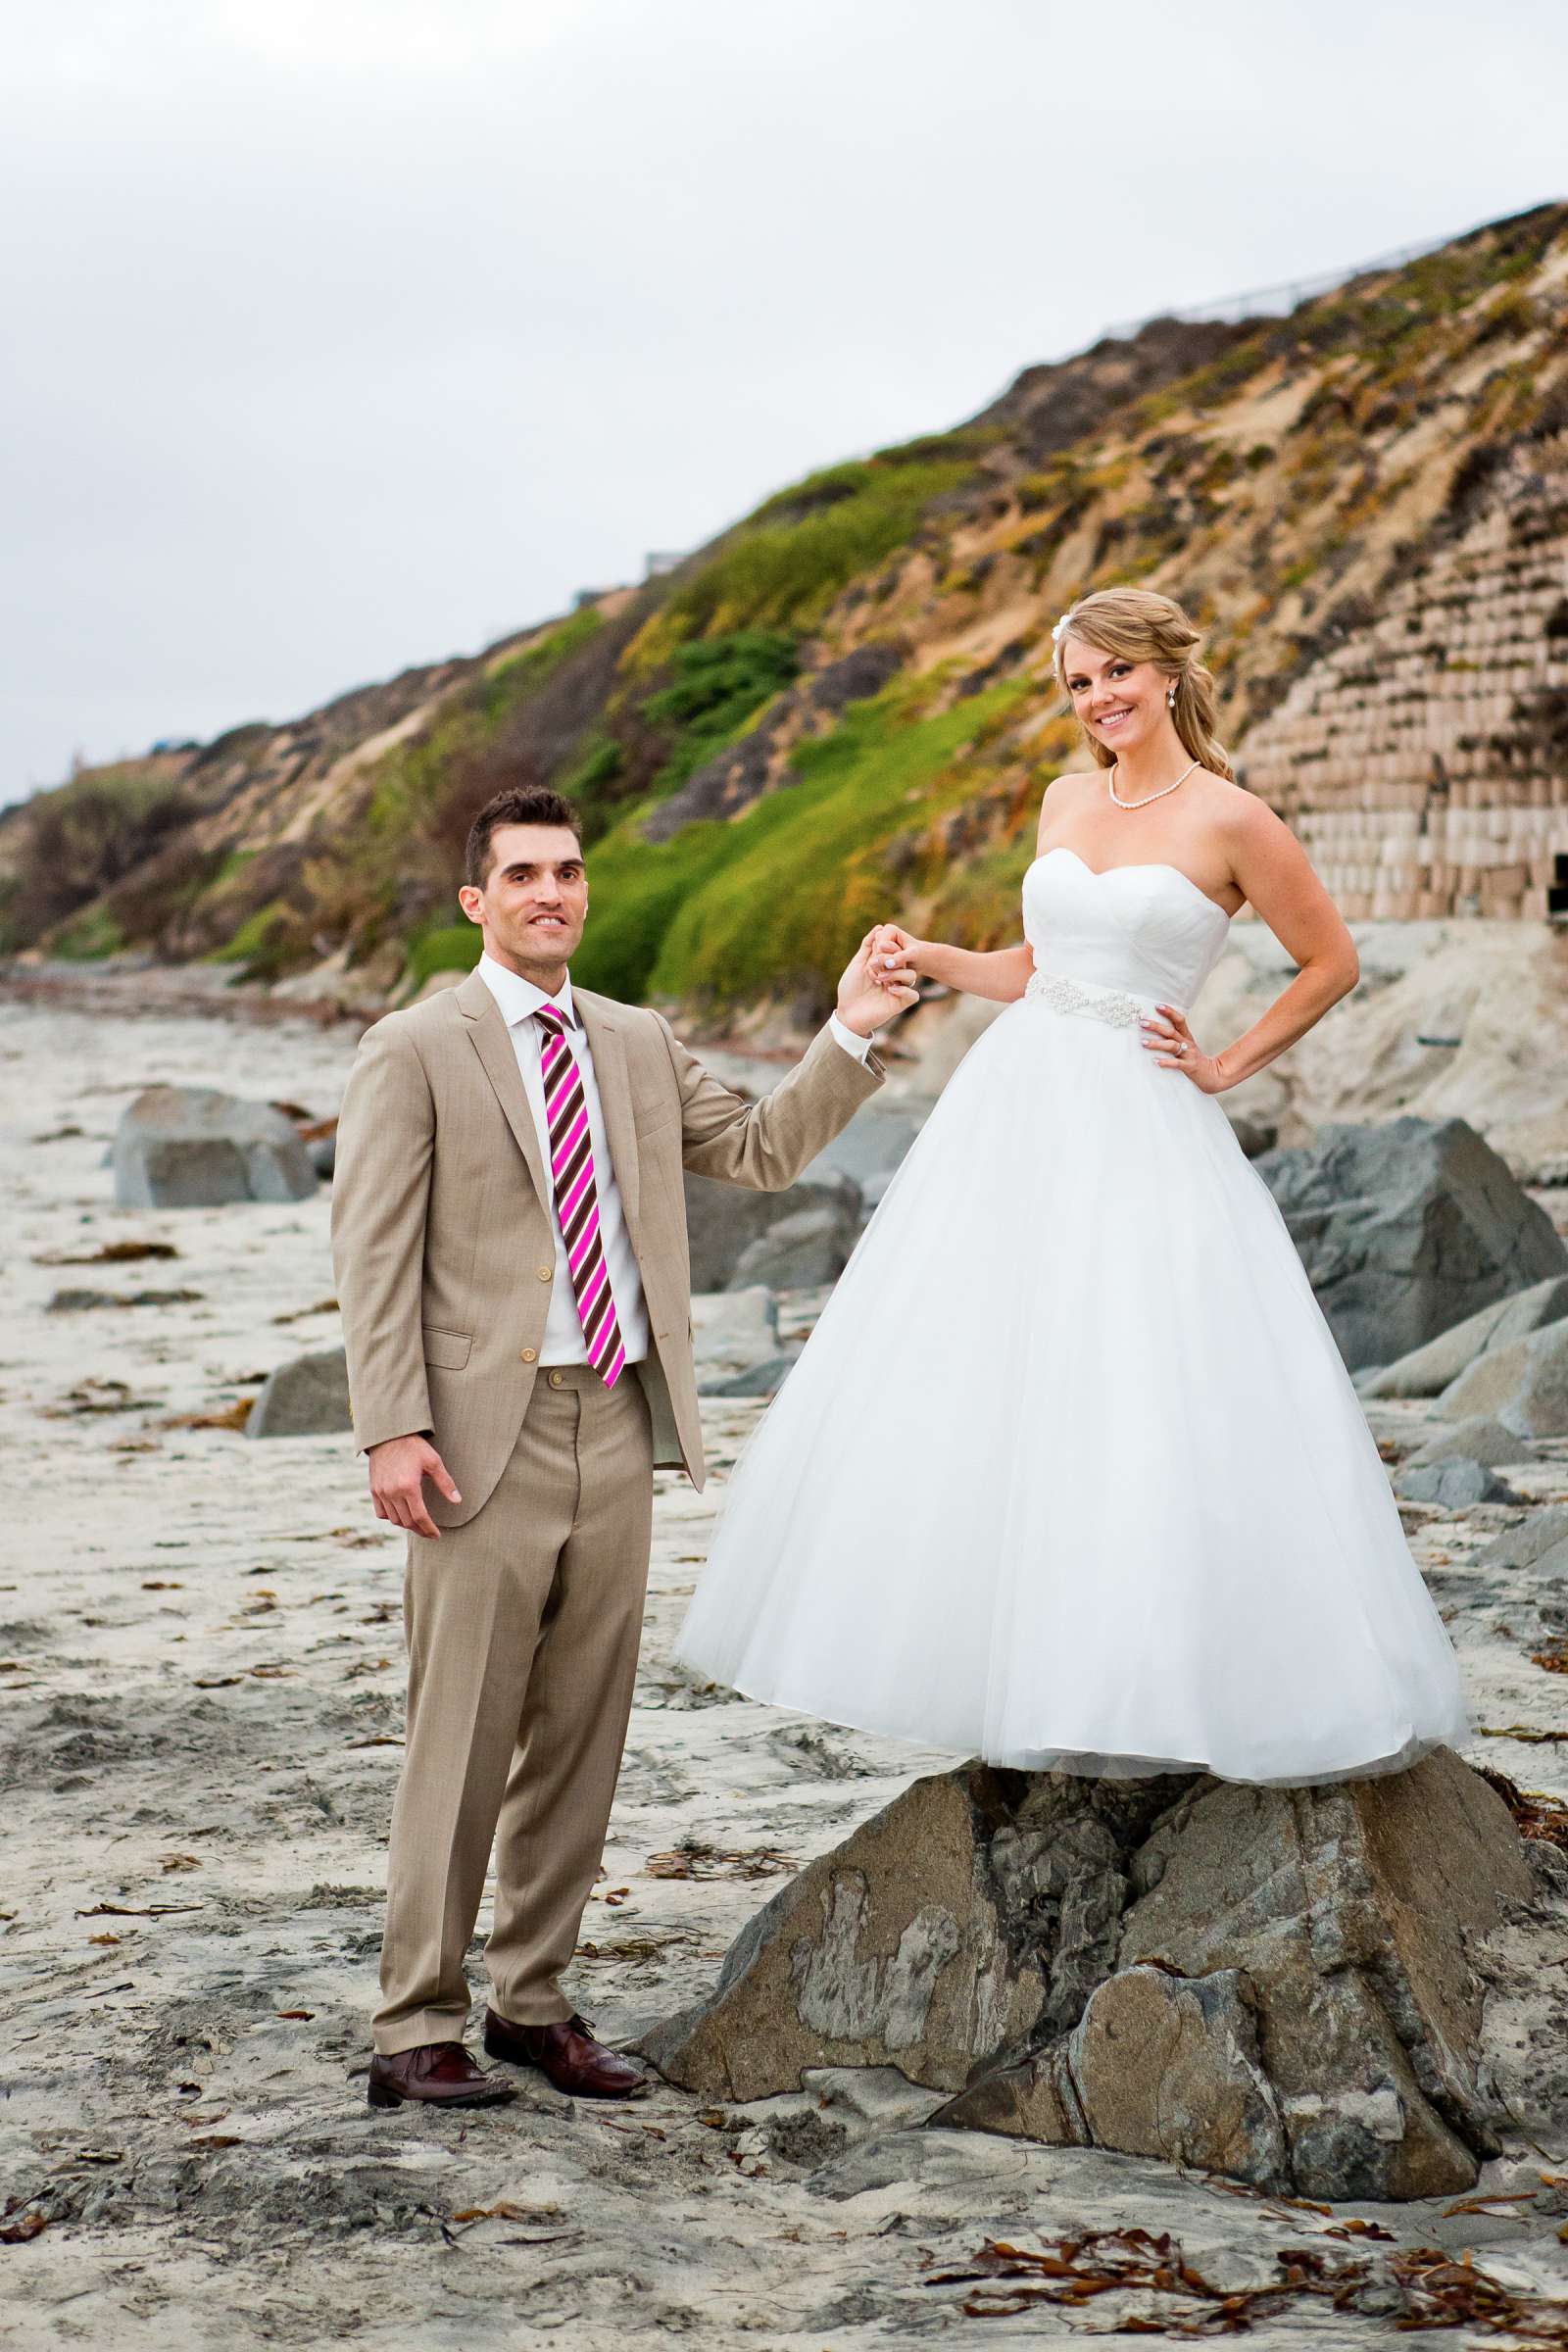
x,y
1277,1984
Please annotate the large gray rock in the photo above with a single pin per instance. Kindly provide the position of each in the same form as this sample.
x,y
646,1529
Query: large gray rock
x,y
192,1147
1406,1229
1525,1387
873,1143
1453,1485
1540,1542
1428,1370
800,1251
733,1330
1159,2065
735,1344
1273,1983
308,1398
1479,1439
891,1951
723,1220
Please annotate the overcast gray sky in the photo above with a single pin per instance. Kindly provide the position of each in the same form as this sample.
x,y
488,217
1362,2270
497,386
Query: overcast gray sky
x,y
343,334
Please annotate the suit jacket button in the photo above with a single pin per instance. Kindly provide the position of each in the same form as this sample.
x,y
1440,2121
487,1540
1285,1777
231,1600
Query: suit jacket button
x,y
529,1355
544,1272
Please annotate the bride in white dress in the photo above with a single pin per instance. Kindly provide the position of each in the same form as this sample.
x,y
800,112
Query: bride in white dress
x,y
1070,1473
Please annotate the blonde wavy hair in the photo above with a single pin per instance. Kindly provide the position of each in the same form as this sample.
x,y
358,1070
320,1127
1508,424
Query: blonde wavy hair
x,y
1141,625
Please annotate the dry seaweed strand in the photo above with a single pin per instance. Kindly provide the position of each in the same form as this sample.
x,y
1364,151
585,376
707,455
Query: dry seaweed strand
x,y
694,1858
1438,2289
1075,2270
17,2224
1449,2291
1536,1814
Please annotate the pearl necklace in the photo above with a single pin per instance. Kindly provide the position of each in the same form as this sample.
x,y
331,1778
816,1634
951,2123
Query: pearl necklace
x,y
1111,779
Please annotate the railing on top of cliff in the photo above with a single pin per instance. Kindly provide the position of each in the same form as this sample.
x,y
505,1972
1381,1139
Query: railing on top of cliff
x,y
1276,300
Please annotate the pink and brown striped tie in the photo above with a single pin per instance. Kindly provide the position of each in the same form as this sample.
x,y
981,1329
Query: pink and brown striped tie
x,y
572,1168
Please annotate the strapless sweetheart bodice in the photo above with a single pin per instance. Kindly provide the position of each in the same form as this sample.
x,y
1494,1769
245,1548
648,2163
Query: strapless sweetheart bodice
x,y
1147,929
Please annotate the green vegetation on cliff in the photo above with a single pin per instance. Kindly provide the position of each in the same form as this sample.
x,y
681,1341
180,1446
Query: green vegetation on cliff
x,y
784,566
780,899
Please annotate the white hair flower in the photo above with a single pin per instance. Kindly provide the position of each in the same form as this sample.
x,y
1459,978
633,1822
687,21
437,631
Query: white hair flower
x,y
1061,628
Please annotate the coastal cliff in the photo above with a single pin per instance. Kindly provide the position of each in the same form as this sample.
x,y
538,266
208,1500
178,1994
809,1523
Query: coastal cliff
x,y
1365,501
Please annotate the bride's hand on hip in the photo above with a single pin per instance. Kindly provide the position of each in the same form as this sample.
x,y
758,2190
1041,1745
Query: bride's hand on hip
x,y
1167,1027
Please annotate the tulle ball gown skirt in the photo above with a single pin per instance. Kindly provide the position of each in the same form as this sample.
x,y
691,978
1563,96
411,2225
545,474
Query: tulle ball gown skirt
x,y
1070,1473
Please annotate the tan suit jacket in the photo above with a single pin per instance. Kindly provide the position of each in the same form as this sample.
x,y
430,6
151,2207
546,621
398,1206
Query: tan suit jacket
x,y
441,1235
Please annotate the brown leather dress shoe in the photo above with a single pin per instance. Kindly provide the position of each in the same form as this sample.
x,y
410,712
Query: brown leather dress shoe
x,y
567,2055
439,2073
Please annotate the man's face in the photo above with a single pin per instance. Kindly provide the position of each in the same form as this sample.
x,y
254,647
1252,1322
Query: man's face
x,y
534,899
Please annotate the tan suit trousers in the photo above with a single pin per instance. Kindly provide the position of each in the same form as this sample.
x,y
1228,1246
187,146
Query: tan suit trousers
x,y
523,1627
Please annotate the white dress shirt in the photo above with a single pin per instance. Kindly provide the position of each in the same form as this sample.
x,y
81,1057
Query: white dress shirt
x,y
518,1000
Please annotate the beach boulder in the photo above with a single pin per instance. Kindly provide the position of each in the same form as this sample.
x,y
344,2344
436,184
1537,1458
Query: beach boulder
x,y
193,1147
1524,1386
801,1251
306,1398
1478,1439
1539,1542
1279,1984
1426,1371
734,1336
874,1142
1453,1485
725,1220
1408,1229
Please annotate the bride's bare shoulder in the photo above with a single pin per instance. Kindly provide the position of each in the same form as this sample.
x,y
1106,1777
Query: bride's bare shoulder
x,y
1062,793
1230,806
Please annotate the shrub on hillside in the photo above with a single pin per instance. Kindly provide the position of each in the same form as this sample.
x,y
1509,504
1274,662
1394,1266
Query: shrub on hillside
x,y
72,844
783,567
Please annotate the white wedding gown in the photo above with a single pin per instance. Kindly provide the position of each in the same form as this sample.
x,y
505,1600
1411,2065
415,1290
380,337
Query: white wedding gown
x,y
1070,1473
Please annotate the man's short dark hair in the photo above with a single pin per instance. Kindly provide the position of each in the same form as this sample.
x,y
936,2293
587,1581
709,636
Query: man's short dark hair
x,y
517,805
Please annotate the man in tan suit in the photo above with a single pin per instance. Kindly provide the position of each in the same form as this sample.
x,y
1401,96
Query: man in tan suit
x,y
508,1231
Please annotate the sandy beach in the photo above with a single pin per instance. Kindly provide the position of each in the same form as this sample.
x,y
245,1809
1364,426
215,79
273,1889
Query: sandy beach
x,y
201,1681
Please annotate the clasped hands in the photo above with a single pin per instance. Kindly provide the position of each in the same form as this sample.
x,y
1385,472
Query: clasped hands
x,y
866,998
890,947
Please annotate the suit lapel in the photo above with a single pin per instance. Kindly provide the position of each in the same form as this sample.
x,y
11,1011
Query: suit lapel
x,y
608,1046
492,1042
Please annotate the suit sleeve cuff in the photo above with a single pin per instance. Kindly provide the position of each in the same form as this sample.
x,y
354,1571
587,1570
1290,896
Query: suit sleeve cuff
x,y
859,1046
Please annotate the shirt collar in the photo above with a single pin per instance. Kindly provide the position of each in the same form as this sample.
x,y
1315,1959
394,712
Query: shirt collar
x,y
517,998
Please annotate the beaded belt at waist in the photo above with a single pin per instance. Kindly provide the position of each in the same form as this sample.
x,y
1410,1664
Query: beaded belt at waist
x,y
1063,994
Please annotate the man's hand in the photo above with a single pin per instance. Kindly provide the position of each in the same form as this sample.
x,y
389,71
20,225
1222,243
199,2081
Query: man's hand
x,y
399,1468
864,1002
891,945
